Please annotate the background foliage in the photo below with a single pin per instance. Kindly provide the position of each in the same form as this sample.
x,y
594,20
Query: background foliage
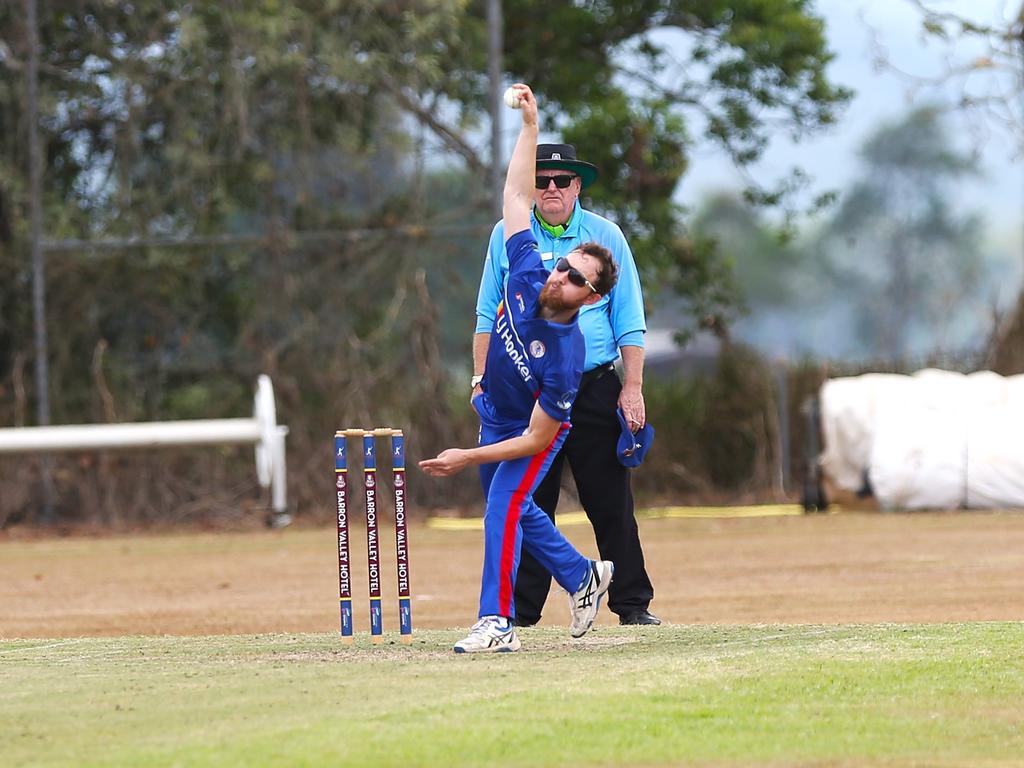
x,y
301,189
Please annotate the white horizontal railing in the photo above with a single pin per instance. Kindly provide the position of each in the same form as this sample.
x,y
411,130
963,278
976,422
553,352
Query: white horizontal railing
x,y
262,431
153,434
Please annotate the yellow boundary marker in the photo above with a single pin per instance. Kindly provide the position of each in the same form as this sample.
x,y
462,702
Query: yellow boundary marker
x,y
657,513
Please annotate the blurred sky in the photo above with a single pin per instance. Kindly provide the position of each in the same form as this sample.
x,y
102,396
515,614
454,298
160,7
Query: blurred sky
x,y
859,31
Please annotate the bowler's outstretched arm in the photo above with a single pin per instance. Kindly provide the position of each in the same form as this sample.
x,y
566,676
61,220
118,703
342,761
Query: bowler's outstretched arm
x,y
536,438
522,168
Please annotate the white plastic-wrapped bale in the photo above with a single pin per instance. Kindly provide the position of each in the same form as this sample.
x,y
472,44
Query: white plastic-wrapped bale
x,y
917,454
995,461
934,440
848,418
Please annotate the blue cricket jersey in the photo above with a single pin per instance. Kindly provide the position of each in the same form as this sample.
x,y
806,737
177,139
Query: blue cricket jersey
x,y
530,360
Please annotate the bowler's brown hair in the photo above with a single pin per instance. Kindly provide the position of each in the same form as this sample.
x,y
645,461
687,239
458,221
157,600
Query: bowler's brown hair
x,y
608,274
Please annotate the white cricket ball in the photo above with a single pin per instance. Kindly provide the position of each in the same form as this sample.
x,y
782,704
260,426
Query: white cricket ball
x,y
512,98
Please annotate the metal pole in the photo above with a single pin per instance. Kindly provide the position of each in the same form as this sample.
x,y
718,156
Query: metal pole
x,y
494,46
36,221
783,445
35,168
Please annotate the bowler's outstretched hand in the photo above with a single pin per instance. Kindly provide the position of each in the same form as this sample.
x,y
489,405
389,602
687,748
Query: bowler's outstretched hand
x,y
448,462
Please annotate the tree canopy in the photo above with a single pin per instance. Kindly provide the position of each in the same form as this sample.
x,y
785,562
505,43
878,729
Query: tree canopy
x,y
168,119
990,78
898,246
895,272
984,60
301,188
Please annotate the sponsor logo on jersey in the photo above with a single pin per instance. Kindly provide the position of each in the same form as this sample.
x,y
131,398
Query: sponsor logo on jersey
x,y
508,341
537,348
519,300
565,401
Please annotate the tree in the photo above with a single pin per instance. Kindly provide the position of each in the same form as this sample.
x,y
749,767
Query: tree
x,y
769,271
990,76
210,121
906,262
168,121
991,83
249,151
776,280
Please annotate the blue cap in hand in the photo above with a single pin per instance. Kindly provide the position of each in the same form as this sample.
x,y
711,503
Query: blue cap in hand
x,y
631,447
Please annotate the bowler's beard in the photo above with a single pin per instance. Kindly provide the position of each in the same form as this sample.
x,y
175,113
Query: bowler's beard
x,y
552,298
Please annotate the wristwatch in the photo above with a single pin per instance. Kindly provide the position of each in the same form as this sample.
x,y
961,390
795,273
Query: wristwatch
x,y
473,382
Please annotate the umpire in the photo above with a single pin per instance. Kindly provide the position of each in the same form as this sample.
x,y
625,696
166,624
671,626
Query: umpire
x,y
613,326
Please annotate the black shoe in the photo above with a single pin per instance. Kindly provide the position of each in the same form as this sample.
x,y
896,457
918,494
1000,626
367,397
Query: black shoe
x,y
642,616
517,622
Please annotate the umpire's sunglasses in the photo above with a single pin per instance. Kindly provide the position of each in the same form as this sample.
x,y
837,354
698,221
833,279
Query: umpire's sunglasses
x,y
576,277
562,181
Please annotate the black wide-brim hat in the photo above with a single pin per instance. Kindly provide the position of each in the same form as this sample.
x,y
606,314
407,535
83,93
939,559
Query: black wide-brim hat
x,y
562,157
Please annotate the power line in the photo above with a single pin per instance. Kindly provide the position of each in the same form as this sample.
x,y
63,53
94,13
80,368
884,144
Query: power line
x,y
280,238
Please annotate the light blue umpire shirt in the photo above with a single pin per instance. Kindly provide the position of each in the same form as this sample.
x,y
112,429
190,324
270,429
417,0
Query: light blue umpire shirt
x,y
617,320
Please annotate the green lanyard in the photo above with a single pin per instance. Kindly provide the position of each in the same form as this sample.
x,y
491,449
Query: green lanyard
x,y
556,230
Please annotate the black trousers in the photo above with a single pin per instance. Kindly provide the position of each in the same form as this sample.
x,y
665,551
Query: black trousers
x,y
604,491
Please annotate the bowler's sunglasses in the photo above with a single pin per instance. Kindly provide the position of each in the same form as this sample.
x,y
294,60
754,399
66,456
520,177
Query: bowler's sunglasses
x,y
562,182
576,277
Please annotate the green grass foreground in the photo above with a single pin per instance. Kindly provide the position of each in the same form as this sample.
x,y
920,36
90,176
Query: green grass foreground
x,y
782,696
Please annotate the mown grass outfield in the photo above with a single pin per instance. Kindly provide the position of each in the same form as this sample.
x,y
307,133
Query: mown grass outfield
x,y
884,695
825,640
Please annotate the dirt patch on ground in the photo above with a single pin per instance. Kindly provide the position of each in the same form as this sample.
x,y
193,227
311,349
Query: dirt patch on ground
x,y
839,568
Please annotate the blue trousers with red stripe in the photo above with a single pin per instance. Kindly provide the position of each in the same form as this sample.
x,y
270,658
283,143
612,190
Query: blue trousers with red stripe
x,y
512,521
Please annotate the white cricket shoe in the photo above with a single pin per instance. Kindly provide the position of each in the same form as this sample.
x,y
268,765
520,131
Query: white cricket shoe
x,y
583,604
492,634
